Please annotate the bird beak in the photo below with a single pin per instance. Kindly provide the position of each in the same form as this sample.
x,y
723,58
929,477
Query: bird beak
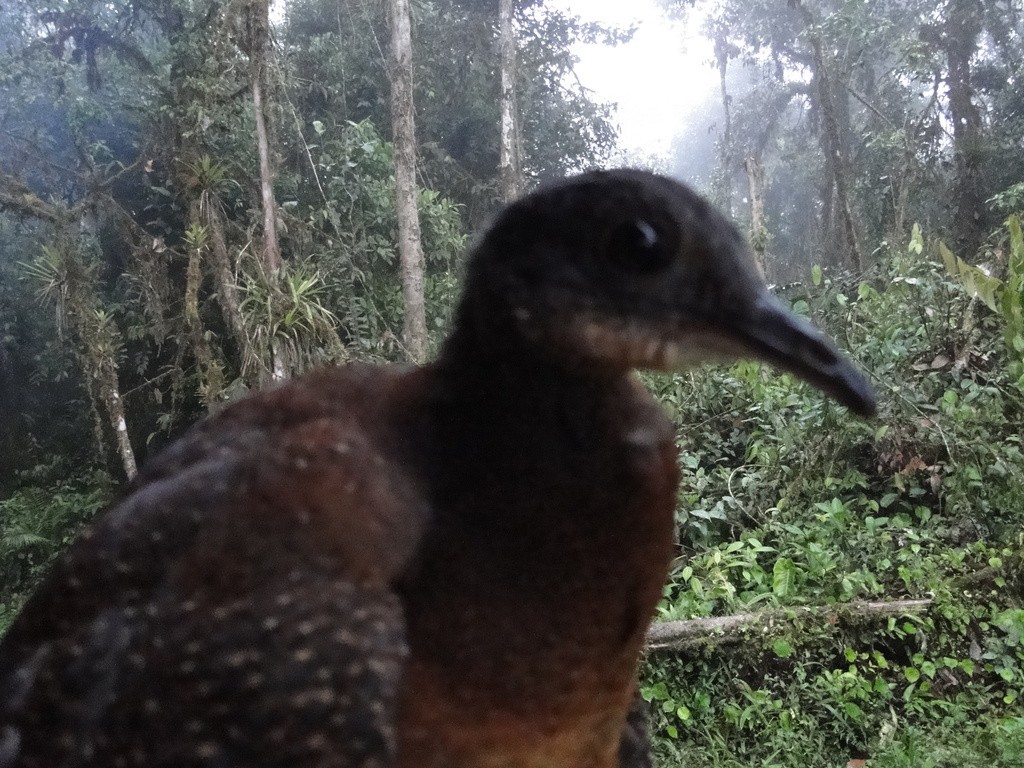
x,y
771,332
762,329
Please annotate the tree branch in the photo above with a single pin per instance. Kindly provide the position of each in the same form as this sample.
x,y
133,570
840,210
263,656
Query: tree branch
x,y
717,630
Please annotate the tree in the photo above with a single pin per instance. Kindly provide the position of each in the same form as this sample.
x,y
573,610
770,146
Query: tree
x,y
510,168
410,248
723,52
957,37
189,155
834,146
458,88
254,40
68,281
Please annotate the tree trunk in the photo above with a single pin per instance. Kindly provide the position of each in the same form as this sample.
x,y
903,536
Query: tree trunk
x,y
258,71
98,436
258,49
98,353
99,356
410,249
725,150
826,229
900,199
758,230
963,25
227,289
835,159
97,334
111,395
510,172
211,375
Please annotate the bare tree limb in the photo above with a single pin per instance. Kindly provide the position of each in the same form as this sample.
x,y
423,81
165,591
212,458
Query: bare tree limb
x,y
717,630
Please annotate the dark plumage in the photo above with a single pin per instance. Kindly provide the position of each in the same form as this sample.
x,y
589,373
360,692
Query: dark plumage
x,y
446,566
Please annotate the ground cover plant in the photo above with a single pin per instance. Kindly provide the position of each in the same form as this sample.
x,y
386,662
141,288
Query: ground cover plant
x,y
787,501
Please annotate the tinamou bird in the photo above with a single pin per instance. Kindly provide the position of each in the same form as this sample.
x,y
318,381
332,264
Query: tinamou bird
x,y
447,566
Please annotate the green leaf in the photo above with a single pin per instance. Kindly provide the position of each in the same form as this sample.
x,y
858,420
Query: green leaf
x,y
853,712
782,649
784,577
912,674
865,291
658,691
816,274
977,284
1016,260
916,240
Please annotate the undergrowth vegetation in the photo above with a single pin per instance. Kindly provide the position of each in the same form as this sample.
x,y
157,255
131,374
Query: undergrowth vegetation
x,y
787,501
37,521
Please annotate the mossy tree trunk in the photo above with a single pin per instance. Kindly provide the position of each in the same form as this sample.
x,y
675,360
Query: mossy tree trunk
x,y
758,227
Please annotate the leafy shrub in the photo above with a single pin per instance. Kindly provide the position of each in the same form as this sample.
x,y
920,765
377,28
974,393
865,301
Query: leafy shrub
x,y
348,228
37,522
786,500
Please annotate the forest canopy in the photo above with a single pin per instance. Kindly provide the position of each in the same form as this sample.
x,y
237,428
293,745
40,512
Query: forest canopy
x,y
200,197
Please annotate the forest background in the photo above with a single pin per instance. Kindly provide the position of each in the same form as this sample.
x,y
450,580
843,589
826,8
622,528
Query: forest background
x,y
198,197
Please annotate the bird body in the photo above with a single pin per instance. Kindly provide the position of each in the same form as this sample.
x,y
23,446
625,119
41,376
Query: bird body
x,y
525,622
243,563
450,566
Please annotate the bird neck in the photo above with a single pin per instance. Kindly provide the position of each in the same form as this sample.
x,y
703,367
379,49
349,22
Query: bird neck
x,y
486,355
552,491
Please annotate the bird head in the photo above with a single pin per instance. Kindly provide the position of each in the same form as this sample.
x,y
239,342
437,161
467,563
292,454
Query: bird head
x,y
624,269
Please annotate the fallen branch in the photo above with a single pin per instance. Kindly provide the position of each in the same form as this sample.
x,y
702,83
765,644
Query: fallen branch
x,y
717,630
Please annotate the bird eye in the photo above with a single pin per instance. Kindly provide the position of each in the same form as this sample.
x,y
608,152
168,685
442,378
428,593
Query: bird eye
x,y
636,246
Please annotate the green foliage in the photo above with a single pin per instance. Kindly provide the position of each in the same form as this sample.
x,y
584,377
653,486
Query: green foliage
x,y
788,501
992,744
286,318
338,54
37,521
347,225
1006,296
1012,305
